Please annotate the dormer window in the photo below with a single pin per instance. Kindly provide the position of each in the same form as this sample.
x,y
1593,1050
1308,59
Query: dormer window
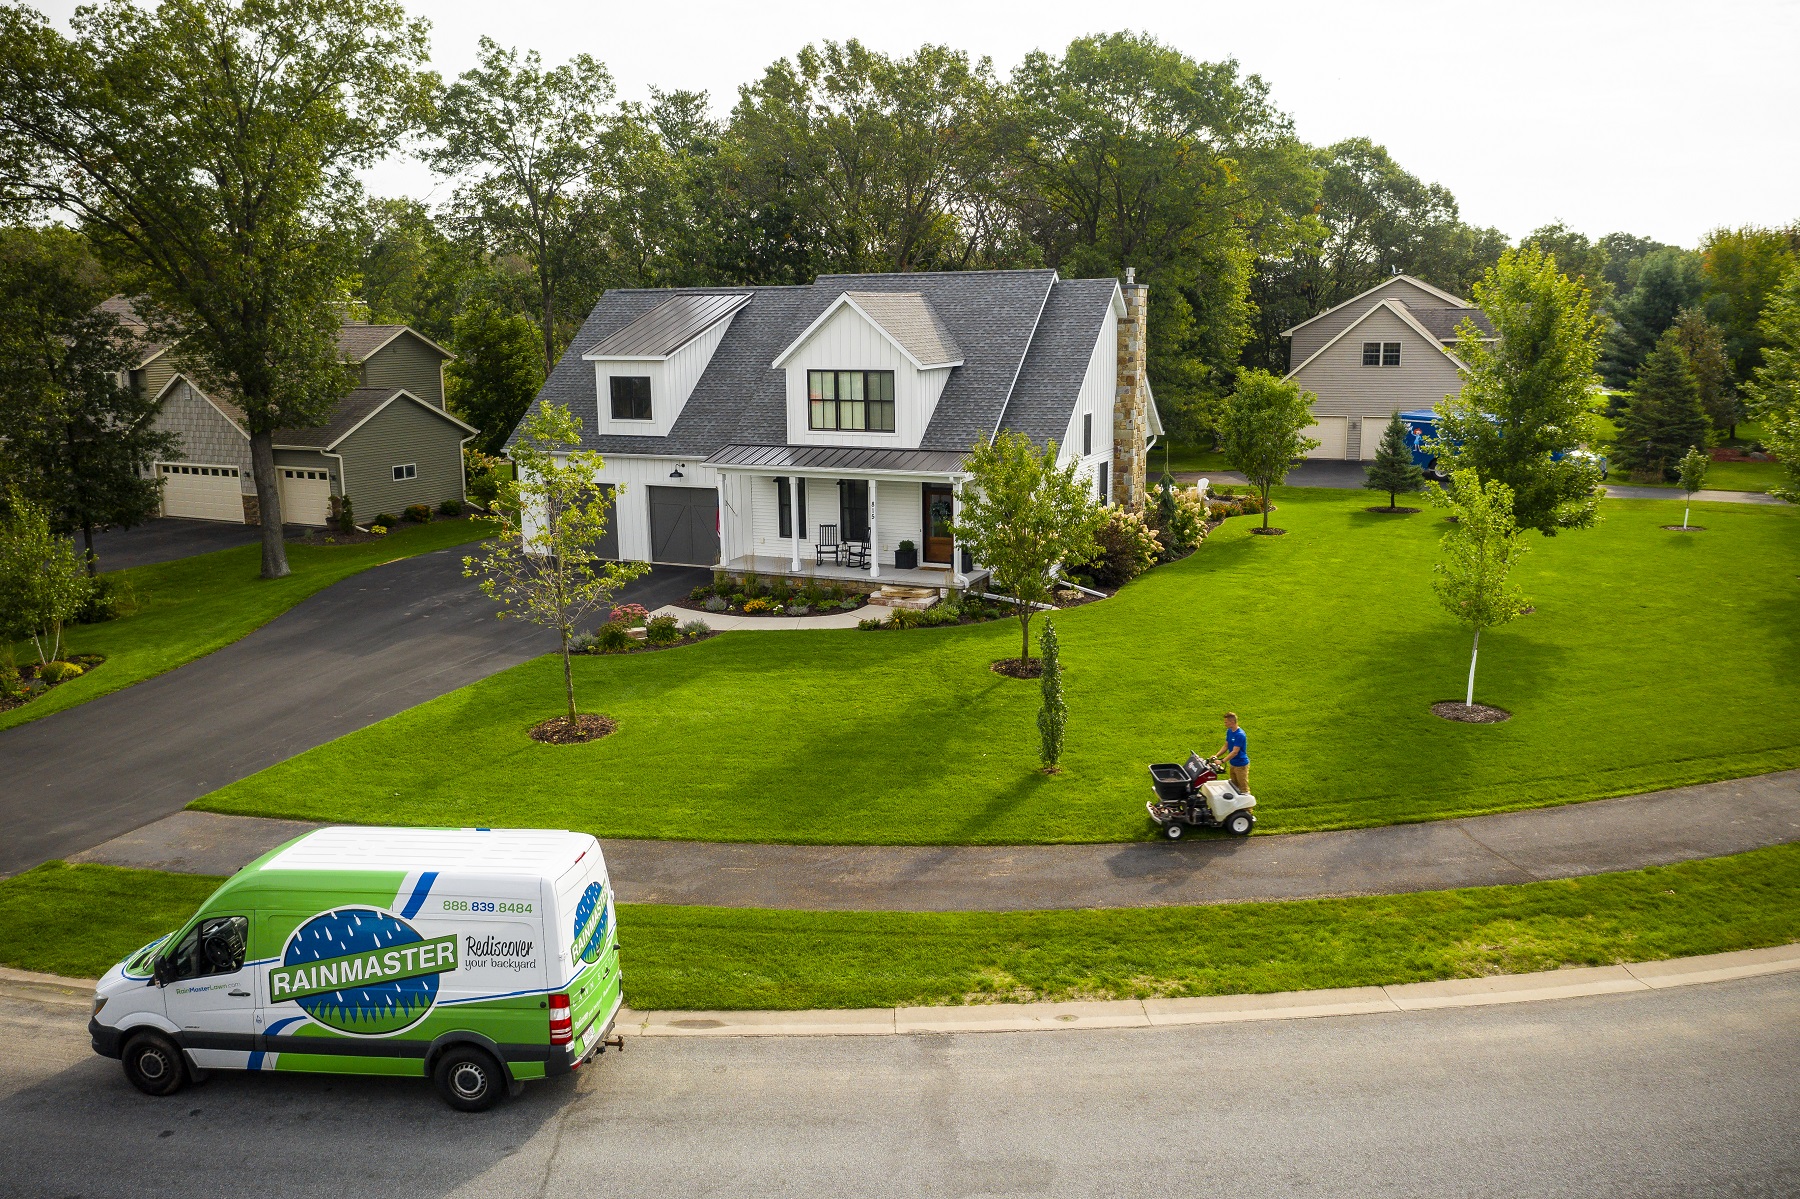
x,y
631,397
859,400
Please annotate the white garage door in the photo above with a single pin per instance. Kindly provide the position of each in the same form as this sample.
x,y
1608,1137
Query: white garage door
x,y
305,496
201,492
1331,433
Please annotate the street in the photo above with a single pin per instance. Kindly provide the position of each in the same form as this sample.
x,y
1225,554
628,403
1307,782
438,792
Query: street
x,y
1687,1092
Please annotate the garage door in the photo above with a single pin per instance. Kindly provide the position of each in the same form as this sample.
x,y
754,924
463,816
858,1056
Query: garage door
x,y
1330,433
684,525
305,496
201,492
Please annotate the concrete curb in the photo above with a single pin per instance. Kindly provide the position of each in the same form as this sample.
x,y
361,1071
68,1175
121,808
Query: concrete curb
x,y
1132,1013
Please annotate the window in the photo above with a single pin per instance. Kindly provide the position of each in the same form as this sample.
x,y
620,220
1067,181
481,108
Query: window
x,y
784,503
1371,353
853,509
1087,433
859,400
1102,482
631,397
214,946
1381,353
408,471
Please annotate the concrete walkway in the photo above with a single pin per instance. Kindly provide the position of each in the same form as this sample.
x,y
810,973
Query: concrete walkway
x,y
1629,833
1627,492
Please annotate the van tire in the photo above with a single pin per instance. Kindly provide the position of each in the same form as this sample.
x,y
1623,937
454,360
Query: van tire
x,y
469,1078
154,1065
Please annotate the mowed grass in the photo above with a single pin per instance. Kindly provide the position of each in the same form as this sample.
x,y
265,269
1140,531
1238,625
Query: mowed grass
x,y
193,606
726,958
1653,659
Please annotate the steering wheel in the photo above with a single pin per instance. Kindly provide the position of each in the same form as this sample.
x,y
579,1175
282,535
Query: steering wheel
x,y
224,948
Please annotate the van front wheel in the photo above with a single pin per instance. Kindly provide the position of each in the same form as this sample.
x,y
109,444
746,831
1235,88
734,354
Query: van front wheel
x,y
154,1065
469,1079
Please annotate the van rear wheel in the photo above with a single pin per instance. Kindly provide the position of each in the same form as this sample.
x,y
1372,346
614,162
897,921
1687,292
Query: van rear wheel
x,y
154,1064
469,1079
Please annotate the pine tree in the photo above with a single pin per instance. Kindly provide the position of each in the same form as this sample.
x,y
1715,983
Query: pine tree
x,y
1704,346
1394,470
1053,717
1664,417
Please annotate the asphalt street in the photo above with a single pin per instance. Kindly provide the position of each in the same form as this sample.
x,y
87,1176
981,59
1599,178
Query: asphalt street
x,y
357,652
1687,1092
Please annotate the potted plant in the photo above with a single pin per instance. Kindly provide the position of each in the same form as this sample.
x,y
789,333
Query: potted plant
x,y
906,556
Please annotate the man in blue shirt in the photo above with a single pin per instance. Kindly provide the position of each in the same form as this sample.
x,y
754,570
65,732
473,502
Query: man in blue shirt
x,y
1239,761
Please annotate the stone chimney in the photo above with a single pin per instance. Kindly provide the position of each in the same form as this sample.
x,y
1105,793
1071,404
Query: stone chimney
x,y
1131,411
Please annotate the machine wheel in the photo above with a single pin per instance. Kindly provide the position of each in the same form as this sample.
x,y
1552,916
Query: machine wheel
x,y
1239,823
154,1065
1173,830
469,1079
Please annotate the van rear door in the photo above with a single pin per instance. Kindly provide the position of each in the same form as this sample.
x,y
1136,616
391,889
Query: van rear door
x,y
587,932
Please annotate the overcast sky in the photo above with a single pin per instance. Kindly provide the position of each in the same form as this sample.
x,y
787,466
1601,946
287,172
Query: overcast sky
x,y
1660,119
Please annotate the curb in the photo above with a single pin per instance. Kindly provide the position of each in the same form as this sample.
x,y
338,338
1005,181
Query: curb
x,y
1134,1013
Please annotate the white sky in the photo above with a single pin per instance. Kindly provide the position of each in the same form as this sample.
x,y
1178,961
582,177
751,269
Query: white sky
x,y
1656,118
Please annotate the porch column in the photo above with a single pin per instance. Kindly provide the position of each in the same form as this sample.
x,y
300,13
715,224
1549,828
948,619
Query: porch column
x,y
795,504
725,525
874,529
956,572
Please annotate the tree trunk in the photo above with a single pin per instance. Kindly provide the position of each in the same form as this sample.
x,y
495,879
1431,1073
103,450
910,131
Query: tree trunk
x,y
568,676
1469,700
268,505
1265,506
1024,637
1393,499
87,537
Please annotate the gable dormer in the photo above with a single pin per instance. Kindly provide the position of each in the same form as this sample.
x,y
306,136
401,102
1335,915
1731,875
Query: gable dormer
x,y
869,371
644,373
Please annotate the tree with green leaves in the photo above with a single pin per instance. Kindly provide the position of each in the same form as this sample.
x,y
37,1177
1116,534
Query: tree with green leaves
x,y
1669,282
73,434
1479,551
1053,716
1744,268
1394,470
1527,396
1578,256
1022,517
1775,388
542,564
1663,416
412,272
42,584
1263,429
497,370
1704,346
210,149
1692,472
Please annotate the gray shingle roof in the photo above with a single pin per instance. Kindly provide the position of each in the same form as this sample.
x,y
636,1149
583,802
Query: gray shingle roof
x,y
351,411
909,320
1441,322
356,341
670,325
1050,384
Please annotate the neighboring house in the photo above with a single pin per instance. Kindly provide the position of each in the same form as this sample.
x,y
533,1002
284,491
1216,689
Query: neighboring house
x,y
1387,350
744,427
388,443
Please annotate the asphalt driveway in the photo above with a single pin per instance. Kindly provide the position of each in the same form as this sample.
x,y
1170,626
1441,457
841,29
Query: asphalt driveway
x,y
355,653
171,537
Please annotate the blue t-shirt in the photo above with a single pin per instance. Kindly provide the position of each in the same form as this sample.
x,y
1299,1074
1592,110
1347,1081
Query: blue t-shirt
x,y
1239,745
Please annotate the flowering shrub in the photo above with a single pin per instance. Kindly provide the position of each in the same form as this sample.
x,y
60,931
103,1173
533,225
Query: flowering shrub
x,y
630,615
1179,518
756,605
1128,547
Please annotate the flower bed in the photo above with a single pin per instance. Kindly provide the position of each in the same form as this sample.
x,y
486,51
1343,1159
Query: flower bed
x,y
752,597
21,685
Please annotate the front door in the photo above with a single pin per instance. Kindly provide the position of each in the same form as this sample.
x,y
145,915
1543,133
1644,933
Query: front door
x,y
940,510
211,998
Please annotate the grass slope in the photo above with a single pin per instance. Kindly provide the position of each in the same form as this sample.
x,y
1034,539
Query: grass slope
x,y
193,606
1653,659
703,958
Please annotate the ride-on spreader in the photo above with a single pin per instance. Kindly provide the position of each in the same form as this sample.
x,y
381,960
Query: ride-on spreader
x,y
1192,795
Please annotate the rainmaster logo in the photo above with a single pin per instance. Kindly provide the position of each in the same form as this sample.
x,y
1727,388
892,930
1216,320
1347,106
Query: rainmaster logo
x,y
362,971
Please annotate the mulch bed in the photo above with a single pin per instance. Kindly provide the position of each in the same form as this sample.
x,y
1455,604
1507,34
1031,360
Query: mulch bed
x,y
1451,709
1685,528
644,647
1033,668
1383,510
559,730
1271,531
28,675
830,609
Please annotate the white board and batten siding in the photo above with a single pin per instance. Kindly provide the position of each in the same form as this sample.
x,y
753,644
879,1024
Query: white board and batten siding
x,y
1350,392
672,381
632,477
1099,389
848,342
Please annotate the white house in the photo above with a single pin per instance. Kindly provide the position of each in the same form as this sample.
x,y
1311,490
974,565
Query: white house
x,y
750,428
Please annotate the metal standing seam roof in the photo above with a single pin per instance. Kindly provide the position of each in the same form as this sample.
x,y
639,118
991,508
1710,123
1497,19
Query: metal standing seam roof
x,y
837,457
669,326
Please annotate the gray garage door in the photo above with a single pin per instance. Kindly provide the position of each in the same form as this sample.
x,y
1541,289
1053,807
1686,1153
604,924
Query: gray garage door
x,y
684,525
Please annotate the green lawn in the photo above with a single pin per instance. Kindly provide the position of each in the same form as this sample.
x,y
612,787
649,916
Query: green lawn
x,y
702,958
1721,476
1184,457
193,606
1653,659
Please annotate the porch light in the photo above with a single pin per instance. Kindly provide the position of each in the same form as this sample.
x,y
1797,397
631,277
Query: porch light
x,y
676,473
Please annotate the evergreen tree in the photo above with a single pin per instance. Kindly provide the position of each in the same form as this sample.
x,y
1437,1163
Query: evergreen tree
x,y
1663,417
1669,282
1394,470
1775,389
498,368
1704,346
1053,717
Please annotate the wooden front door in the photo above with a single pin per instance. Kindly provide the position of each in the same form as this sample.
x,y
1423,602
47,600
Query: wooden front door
x,y
939,511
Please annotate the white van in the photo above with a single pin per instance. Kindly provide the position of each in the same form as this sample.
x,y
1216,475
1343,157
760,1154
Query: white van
x,y
480,958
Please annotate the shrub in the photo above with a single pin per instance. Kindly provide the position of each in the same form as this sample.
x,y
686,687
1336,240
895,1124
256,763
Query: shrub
x,y
836,592
1180,520
780,590
12,687
630,615
58,672
756,605
695,628
417,513
345,517
721,582
385,521
850,603
752,585
110,598
701,593
906,546
870,624
662,630
1127,547
583,643
613,637
450,508
813,594
717,603
798,609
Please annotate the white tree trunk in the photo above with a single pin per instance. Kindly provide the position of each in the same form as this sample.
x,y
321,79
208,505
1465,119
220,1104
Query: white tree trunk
x,y
1684,514
1473,652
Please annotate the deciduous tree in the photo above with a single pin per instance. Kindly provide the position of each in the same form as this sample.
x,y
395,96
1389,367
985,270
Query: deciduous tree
x,y
1744,267
42,585
1704,346
1479,551
1692,472
1775,389
1263,429
497,370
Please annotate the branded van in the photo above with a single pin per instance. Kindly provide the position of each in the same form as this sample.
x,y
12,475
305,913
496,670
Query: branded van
x,y
478,958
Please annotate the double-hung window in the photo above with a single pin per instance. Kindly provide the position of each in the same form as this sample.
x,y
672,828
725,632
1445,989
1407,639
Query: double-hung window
x,y
1381,353
784,504
631,397
861,401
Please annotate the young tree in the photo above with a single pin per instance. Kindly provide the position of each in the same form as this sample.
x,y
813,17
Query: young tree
x,y
498,368
1692,468
1775,390
1262,429
1022,516
1663,416
1053,717
210,148
72,435
42,585
542,565
1527,396
1704,346
1394,470
1479,551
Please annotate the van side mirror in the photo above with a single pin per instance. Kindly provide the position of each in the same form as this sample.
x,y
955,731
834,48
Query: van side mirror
x,y
163,971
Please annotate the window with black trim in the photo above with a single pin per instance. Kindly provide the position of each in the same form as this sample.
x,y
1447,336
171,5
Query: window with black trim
x,y
1103,483
213,946
406,471
631,397
1087,433
784,504
862,401
1381,353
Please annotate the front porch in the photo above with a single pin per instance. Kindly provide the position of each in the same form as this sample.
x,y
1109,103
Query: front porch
x,y
927,574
